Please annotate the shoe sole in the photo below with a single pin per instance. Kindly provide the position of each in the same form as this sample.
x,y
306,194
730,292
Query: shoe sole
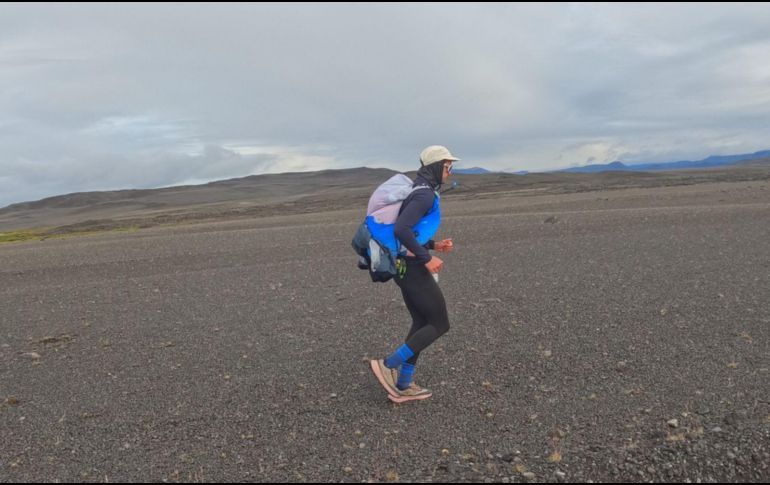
x,y
375,365
403,399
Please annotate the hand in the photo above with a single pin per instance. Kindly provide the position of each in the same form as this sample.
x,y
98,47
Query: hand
x,y
435,265
444,246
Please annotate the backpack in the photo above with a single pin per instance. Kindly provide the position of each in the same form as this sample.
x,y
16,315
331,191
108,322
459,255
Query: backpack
x,y
375,243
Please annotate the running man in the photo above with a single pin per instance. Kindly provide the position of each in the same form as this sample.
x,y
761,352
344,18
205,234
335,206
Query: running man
x,y
419,286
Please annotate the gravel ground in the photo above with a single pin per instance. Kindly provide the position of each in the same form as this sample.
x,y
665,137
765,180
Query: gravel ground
x,y
606,336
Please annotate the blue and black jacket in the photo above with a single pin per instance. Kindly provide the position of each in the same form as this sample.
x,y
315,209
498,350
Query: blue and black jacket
x,y
414,208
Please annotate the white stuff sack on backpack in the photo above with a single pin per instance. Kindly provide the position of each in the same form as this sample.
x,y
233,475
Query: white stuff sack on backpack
x,y
384,204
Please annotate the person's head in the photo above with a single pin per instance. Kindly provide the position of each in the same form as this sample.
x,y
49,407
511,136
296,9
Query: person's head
x,y
438,161
447,171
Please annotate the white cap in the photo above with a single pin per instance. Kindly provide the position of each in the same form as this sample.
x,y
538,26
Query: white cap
x,y
435,153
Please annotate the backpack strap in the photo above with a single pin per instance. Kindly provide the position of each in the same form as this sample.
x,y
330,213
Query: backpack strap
x,y
421,186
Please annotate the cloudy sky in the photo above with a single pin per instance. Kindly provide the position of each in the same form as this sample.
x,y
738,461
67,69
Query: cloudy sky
x,y
102,97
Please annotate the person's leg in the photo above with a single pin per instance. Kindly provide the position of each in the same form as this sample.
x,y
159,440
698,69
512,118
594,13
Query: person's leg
x,y
405,376
427,307
418,322
428,301
404,354
388,370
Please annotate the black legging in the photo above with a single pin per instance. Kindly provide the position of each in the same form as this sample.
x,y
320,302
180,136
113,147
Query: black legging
x,y
427,307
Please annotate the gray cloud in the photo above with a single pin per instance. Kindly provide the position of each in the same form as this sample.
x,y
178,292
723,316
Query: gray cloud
x,y
96,97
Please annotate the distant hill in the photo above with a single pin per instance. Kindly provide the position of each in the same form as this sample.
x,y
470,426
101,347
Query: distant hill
x,y
608,167
308,192
760,162
296,191
471,171
282,185
714,161
483,171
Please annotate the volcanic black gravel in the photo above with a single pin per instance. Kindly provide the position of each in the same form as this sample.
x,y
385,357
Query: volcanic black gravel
x,y
605,336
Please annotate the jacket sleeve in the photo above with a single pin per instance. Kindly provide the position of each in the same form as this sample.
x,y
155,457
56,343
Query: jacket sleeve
x,y
416,208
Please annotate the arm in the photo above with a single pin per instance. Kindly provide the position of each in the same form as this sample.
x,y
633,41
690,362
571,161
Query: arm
x,y
418,206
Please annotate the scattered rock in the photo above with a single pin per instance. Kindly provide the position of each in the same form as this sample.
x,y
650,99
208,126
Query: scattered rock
x,y
555,457
60,340
673,423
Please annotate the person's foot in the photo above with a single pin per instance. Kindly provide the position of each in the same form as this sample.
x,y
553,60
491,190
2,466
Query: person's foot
x,y
394,376
412,393
385,376
413,385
